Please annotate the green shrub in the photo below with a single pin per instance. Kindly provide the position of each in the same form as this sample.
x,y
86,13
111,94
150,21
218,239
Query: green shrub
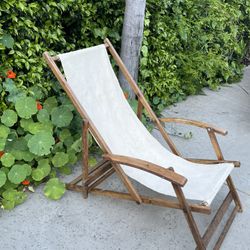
x,y
192,44
38,139
58,26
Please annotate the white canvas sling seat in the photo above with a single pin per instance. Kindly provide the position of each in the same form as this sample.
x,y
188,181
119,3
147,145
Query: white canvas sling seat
x,y
94,84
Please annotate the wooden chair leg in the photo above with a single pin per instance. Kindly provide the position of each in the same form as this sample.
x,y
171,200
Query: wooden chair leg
x,y
234,193
85,156
189,217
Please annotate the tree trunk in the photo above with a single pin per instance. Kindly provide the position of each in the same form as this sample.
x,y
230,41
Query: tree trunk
x,y
132,34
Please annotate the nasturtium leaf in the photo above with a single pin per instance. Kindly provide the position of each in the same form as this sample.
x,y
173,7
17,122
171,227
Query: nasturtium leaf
x,y
10,86
72,157
65,170
7,205
36,92
54,189
18,154
66,102
20,131
9,117
50,103
61,116
92,161
60,159
26,107
45,166
9,194
4,131
39,127
20,144
7,40
17,174
20,198
9,185
2,143
156,100
27,137
26,123
7,160
13,97
38,174
77,145
68,141
15,196
65,133
27,168
43,116
41,143
27,156
3,178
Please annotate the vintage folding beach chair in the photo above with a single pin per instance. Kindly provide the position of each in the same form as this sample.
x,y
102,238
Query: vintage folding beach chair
x,y
131,151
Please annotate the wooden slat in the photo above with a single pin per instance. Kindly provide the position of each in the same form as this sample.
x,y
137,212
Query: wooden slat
x,y
85,150
101,170
194,123
217,219
148,167
226,228
76,180
153,201
210,161
101,179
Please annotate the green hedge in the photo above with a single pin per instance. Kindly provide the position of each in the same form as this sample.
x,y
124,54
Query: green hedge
x,y
59,26
192,44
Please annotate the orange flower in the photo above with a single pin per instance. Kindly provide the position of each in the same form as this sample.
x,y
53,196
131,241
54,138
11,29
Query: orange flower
x,y
1,153
26,182
11,74
39,105
126,94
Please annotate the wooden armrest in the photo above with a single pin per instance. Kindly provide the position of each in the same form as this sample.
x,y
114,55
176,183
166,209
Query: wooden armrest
x,y
195,123
164,173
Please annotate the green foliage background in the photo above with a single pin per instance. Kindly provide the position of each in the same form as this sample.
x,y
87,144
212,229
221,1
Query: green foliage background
x,y
187,45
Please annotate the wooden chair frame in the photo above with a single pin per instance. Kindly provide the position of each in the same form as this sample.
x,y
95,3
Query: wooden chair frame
x,y
110,163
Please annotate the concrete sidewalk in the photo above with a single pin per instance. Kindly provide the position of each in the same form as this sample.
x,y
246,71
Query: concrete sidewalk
x,y
104,224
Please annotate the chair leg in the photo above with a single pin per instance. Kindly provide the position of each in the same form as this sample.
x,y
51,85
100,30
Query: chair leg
x,y
189,217
234,193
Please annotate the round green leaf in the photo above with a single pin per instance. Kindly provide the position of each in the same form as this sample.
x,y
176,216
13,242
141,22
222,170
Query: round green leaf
x,y
41,143
60,159
61,116
39,127
8,205
17,174
8,160
26,107
7,40
43,115
45,166
9,118
2,178
38,174
27,168
50,103
9,194
4,131
54,189
64,134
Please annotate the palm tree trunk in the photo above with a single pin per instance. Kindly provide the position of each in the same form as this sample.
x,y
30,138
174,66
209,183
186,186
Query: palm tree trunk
x,y
132,34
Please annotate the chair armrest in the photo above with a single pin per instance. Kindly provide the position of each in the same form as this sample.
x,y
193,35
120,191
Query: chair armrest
x,y
149,167
195,123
